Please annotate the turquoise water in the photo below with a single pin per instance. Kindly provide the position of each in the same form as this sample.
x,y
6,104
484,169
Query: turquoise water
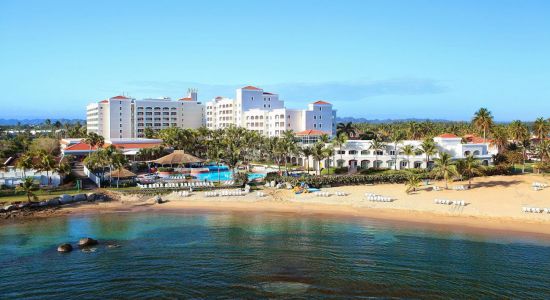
x,y
261,256
225,175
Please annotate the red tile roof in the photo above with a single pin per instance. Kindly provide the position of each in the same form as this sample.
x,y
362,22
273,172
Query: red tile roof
x,y
311,132
86,147
186,99
249,87
448,136
136,145
473,139
320,102
120,97
104,101
80,147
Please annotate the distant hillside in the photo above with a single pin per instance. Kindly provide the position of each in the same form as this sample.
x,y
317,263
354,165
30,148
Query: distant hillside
x,y
377,121
12,122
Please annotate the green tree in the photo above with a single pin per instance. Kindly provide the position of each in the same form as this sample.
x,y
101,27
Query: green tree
x,y
93,139
346,128
429,149
483,121
409,151
444,167
376,146
468,167
338,142
397,138
28,186
541,128
413,183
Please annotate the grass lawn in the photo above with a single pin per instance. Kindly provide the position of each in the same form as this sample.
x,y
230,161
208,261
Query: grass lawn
x,y
40,194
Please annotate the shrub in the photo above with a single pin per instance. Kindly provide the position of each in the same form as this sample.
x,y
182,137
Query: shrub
x,y
241,178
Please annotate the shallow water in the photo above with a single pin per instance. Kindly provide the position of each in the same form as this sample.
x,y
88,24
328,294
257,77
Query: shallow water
x,y
236,255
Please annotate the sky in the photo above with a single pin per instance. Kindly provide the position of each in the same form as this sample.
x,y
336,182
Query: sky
x,y
371,59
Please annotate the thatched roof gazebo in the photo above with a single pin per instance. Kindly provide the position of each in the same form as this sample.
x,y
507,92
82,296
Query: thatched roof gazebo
x,y
178,157
122,173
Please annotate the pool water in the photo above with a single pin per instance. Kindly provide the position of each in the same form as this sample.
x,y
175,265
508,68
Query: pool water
x,y
225,175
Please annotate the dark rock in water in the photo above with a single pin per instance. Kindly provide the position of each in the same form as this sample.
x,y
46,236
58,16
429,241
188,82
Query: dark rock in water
x,y
159,200
53,201
9,207
88,250
65,248
112,246
79,197
87,242
91,197
66,199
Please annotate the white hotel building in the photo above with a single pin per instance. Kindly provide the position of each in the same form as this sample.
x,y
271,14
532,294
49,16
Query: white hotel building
x,y
123,117
356,154
264,112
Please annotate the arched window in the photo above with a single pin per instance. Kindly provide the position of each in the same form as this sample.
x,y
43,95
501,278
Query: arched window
x,y
467,153
476,152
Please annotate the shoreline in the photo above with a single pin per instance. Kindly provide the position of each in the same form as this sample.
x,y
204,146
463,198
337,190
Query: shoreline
x,y
494,206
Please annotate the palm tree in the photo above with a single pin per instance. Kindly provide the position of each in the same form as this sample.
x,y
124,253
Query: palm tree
x,y
468,167
25,162
93,139
541,127
307,152
28,187
444,167
483,120
409,151
63,168
345,128
318,153
47,163
519,133
377,145
429,148
329,152
396,138
338,142
118,160
413,183
500,138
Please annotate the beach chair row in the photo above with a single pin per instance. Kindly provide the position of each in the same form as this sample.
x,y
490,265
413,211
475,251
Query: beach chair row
x,y
540,185
450,202
459,188
225,193
377,198
184,193
260,194
535,210
322,194
176,185
341,193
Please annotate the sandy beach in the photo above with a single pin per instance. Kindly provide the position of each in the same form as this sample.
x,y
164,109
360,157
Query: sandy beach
x,y
494,203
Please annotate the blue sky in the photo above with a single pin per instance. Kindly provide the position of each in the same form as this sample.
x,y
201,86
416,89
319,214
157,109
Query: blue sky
x,y
372,59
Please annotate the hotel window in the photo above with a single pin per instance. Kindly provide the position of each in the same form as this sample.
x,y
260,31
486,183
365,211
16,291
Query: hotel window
x,y
314,117
392,152
352,152
379,152
341,152
314,125
320,125
120,108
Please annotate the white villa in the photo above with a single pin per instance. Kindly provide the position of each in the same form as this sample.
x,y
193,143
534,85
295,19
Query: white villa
x,y
358,154
264,112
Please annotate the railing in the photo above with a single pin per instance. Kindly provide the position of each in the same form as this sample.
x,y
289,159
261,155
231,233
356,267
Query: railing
x,y
92,176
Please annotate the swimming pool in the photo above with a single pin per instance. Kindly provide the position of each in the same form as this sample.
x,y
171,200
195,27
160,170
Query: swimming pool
x,y
225,175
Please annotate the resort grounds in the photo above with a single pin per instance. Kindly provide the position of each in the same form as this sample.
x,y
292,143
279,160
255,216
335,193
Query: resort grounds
x,y
493,203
